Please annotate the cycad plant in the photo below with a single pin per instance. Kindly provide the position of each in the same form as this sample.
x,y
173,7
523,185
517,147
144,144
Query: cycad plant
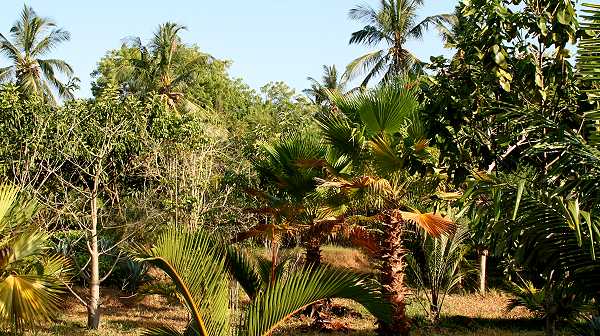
x,y
201,266
379,131
435,269
30,282
33,38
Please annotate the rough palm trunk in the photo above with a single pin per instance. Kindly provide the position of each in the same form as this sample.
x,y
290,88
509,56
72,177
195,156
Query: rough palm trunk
x,y
393,267
93,307
483,271
313,252
313,259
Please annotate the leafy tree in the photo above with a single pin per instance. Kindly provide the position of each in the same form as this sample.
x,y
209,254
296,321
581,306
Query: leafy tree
x,y
393,23
33,38
475,99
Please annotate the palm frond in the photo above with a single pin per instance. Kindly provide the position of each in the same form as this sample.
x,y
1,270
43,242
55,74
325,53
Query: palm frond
x,y
301,289
196,265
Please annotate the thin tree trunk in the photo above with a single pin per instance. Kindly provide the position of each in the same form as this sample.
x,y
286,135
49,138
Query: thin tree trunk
x,y
94,301
550,326
273,259
483,271
392,278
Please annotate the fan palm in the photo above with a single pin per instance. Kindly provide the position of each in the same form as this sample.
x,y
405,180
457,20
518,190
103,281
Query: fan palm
x,y
30,283
33,38
160,67
393,23
330,82
199,266
380,131
290,170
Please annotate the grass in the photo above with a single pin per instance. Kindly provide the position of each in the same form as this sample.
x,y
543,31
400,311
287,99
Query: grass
x,y
469,314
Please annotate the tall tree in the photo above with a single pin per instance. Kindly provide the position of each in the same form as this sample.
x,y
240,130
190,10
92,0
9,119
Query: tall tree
x,y
160,67
330,82
393,23
33,38
380,131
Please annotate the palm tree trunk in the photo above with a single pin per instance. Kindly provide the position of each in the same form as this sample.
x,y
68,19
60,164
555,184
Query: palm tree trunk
x,y
313,252
393,267
313,259
483,271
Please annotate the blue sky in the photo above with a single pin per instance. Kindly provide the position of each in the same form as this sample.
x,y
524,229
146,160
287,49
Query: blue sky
x,y
267,40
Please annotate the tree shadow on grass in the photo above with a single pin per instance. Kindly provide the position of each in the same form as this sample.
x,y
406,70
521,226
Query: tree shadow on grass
x,y
459,323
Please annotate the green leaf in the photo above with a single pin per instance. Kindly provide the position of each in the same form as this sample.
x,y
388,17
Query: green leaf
x,y
520,189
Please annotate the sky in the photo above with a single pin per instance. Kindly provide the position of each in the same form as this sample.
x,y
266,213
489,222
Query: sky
x,y
267,40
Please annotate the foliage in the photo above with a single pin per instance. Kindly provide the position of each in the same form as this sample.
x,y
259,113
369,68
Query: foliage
x,y
435,269
195,262
33,37
31,283
394,22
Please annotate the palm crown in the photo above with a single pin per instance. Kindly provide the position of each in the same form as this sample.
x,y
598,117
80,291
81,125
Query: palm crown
x,y
393,23
160,68
33,38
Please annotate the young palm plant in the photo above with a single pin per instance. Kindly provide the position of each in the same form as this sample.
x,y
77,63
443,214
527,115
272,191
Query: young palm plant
x,y
201,267
33,38
380,131
30,283
435,269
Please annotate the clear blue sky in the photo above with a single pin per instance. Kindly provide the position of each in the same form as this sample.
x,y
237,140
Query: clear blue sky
x,y
267,40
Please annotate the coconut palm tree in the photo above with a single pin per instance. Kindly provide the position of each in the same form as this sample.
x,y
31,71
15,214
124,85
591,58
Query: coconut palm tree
x,y
161,68
30,283
392,23
32,39
380,131
331,81
201,267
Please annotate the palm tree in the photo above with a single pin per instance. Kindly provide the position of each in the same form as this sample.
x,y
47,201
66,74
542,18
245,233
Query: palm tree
x,y
435,269
201,266
161,68
33,38
30,283
330,82
393,23
381,132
